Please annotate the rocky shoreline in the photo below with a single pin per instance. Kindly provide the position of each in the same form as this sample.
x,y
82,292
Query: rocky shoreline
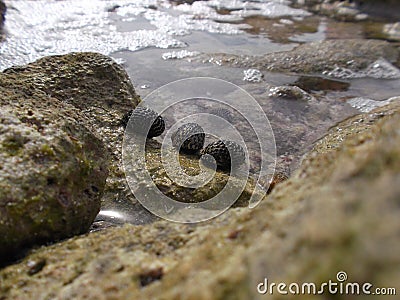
x,y
61,134
333,205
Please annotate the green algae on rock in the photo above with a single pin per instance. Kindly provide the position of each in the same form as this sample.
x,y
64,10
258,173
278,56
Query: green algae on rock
x,y
188,167
339,211
91,82
52,170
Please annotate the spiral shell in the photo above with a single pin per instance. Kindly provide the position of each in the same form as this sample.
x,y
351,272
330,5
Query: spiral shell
x,y
223,113
227,154
142,117
189,138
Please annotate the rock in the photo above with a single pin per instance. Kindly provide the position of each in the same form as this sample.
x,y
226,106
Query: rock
x,y
104,95
339,211
388,9
351,56
52,168
289,93
189,166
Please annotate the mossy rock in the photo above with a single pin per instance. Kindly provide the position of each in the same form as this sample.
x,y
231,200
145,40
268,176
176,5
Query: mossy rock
x,y
189,164
101,90
52,170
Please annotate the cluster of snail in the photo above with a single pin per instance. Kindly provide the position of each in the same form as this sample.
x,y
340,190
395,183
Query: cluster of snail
x,y
189,138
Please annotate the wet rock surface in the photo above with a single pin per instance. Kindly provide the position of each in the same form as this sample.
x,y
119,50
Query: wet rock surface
x,y
52,170
327,217
189,164
322,58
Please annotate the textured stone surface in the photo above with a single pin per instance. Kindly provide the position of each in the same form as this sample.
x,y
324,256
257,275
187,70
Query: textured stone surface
x,y
102,91
52,168
190,165
339,211
315,57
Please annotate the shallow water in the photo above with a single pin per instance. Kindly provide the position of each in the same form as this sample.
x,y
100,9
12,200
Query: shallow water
x,y
147,36
151,38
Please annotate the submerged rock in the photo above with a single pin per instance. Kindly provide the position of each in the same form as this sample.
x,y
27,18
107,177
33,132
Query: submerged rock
x,y
52,168
289,93
339,211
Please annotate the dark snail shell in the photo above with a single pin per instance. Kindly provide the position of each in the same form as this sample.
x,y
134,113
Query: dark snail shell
x,y
143,118
223,113
189,138
223,151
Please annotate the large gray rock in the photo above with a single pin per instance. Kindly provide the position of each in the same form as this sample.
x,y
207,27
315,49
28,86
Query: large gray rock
x,y
52,168
61,114
102,91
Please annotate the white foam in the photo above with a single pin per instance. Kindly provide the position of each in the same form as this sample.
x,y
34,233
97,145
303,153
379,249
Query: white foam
x,y
39,28
365,105
179,54
253,75
381,68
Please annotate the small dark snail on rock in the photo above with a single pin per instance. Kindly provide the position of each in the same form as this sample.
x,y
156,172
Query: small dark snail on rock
x,y
189,138
223,113
144,118
223,151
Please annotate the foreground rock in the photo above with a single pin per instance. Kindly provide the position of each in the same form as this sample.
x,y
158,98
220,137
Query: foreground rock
x,y
338,212
52,168
335,58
